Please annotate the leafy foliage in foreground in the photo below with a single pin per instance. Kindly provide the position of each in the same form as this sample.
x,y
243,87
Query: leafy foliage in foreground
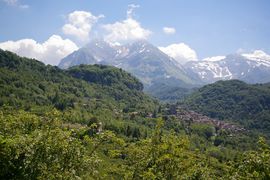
x,y
44,147
38,148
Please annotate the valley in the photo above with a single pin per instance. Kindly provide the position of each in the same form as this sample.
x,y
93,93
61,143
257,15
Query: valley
x,y
97,116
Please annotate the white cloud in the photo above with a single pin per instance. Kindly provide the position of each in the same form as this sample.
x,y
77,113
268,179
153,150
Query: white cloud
x,y
126,30
80,24
16,3
49,52
181,52
169,30
214,58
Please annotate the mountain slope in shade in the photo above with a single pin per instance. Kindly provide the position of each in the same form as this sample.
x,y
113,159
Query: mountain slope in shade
x,y
251,68
140,58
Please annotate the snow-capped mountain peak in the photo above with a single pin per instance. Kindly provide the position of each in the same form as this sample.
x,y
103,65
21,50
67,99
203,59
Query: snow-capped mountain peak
x,y
260,57
257,54
149,63
140,58
250,67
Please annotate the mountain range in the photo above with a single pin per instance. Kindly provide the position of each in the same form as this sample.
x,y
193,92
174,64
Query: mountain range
x,y
140,58
156,69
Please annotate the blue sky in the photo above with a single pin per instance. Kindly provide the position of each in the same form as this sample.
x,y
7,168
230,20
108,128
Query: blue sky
x,y
208,27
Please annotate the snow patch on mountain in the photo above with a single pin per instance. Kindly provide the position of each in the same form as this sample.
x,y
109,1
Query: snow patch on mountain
x,y
251,67
257,54
204,68
215,58
260,57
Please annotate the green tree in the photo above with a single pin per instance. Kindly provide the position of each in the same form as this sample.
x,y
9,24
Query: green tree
x,y
254,164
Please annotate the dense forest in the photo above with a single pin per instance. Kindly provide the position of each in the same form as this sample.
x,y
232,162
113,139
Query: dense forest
x,y
95,122
234,100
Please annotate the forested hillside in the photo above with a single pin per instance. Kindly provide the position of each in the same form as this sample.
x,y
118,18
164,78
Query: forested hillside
x,y
94,122
169,93
236,101
29,84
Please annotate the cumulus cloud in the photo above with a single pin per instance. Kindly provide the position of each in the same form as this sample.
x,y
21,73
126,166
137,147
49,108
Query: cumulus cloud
x,y
50,52
16,3
169,30
181,52
80,24
126,30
